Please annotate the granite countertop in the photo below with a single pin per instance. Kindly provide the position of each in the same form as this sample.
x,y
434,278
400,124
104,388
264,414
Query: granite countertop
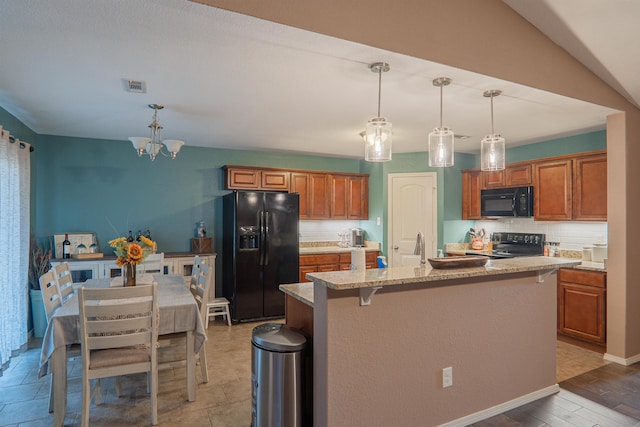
x,y
592,266
341,280
303,292
309,248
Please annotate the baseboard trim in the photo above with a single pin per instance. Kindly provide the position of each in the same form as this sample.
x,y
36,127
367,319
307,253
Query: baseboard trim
x,y
621,360
503,407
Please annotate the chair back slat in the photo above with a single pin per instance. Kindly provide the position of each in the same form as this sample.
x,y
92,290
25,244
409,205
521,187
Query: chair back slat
x,y
65,280
119,308
152,264
113,326
199,287
101,342
50,293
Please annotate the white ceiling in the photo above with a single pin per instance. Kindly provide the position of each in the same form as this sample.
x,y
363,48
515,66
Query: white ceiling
x,y
233,81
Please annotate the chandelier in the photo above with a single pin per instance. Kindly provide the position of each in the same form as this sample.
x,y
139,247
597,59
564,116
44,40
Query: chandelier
x,y
492,147
378,130
441,139
154,144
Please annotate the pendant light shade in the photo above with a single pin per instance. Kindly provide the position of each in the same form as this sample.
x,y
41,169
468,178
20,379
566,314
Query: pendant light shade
x,y
492,147
441,139
378,132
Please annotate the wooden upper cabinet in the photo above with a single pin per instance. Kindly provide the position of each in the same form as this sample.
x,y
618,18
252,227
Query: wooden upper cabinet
x,y
590,188
471,186
358,197
339,196
300,185
518,175
245,178
552,190
319,196
274,180
323,195
493,179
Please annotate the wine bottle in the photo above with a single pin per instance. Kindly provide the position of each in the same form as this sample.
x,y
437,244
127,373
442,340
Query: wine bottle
x,y
66,247
147,234
130,237
138,236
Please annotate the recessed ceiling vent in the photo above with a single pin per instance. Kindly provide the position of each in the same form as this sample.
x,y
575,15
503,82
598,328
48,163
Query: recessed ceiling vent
x,y
136,86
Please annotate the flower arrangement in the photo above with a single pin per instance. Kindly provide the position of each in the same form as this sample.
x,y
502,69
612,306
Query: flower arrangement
x,y
131,253
39,262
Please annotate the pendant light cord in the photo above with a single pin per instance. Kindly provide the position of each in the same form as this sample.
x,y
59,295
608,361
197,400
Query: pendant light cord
x,y
441,106
492,130
379,88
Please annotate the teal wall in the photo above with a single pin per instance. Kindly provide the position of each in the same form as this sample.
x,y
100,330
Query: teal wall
x,y
88,185
557,147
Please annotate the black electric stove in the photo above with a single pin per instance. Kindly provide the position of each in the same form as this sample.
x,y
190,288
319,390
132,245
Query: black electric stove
x,y
511,245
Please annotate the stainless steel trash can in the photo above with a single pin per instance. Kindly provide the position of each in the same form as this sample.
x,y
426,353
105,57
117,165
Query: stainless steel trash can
x,y
276,376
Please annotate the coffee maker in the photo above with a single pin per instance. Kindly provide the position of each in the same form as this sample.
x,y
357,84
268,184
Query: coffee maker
x,y
357,237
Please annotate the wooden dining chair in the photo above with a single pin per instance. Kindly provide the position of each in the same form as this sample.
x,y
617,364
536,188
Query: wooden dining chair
x,y
152,264
65,280
119,334
199,287
52,299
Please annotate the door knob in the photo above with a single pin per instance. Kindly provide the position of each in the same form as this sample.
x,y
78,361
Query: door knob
x,y
396,247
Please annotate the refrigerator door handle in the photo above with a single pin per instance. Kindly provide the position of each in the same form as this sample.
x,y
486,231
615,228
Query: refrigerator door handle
x,y
262,238
265,247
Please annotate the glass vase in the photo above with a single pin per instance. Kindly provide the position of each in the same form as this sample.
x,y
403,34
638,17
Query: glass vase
x,y
129,275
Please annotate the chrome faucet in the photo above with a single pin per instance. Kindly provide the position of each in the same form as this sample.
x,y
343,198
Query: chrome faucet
x,y
419,249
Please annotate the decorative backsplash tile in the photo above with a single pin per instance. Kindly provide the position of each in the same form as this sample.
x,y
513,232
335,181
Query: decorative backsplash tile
x,y
324,231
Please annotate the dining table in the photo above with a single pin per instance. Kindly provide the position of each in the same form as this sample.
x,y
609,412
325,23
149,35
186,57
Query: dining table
x,y
178,312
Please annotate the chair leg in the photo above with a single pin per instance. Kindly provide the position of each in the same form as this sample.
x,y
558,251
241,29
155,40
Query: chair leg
x,y
98,392
51,395
86,400
228,316
203,364
207,317
118,386
153,379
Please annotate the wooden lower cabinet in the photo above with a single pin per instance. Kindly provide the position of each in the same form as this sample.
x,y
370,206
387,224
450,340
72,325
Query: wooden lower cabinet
x,y
582,305
313,263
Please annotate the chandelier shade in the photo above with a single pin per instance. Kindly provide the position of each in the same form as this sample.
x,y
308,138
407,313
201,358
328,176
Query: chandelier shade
x,y
378,132
441,140
492,147
153,145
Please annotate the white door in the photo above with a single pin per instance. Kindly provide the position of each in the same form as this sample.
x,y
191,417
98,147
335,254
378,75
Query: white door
x,y
412,208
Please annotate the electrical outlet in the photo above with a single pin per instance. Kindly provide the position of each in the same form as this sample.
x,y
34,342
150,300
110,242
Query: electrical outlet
x,y
378,221
447,377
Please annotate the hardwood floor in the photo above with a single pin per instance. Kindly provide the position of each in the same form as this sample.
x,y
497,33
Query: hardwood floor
x,y
614,386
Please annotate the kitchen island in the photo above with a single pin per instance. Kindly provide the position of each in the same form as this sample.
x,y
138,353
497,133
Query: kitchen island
x,y
382,337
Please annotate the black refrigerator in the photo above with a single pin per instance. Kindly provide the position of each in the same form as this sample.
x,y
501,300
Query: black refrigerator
x,y
260,251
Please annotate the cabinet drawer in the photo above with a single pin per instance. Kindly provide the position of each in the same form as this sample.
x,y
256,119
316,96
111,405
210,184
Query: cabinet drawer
x,y
319,259
583,277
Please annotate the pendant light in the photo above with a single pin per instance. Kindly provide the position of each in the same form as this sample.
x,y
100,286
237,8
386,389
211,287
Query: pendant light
x,y
441,139
153,145
492,146
377,147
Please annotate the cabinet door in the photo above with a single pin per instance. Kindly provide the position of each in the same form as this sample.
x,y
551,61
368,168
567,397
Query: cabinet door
x,y
552,190
471,185
493,179
339,195
238,179
590,188
358,197
518,175
110,270
300,185
274,180
304,269
319,196
581,311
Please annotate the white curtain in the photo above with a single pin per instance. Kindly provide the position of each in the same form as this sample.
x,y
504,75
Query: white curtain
x,y
14,244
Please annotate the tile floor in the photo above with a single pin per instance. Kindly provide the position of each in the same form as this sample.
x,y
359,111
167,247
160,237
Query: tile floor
x,y
224,401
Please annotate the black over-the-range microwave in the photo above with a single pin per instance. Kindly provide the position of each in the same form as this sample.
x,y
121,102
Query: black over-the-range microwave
x,y
516,201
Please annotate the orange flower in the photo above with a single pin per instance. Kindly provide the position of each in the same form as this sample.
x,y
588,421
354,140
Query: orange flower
x,y
120,261
134,253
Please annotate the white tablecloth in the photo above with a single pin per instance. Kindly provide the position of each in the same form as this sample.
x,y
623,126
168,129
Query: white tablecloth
x,y
178,313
